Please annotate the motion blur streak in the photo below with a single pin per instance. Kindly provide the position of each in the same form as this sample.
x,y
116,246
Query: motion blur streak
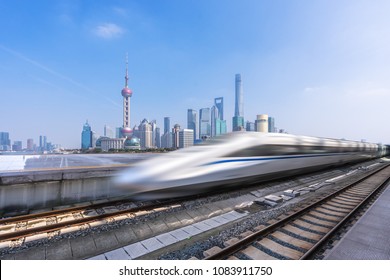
x,y
237,158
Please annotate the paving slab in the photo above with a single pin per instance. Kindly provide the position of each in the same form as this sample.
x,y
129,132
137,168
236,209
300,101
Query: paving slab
x,y
202,226
118,254
220,220
152,244
192,230
167,239
180,234
135,250
98,257
212,223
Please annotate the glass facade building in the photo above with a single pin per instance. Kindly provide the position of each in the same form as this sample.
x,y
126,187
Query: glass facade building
x,y
86,137
204,123
192,122
238,119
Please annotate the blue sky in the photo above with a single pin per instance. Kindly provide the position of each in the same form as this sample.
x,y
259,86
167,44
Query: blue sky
x,y
320,68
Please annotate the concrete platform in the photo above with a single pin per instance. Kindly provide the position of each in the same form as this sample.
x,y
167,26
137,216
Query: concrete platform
x,y
369,238
143,247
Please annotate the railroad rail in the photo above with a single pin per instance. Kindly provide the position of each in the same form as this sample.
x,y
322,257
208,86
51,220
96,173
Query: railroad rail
x,y
38,223
13,228
298,235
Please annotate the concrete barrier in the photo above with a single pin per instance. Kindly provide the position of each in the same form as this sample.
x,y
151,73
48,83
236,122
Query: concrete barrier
x,y
24,191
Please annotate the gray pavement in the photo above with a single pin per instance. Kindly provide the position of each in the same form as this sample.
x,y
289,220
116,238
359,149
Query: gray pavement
x,y
369,238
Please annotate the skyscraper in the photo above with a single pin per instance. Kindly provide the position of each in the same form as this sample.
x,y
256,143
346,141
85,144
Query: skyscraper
x,y
5,142
30,144
108,132
271,124
146,134
261,123
218,124
218,102
204,123
86,137
238,119
214,118
186,138
126,93
167,124
192,122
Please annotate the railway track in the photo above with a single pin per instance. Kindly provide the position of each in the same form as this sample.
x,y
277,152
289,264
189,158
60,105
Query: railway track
x,y
71,219
75,218
20,230
298,234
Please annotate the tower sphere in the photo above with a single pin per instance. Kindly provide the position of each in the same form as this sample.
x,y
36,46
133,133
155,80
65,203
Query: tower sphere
x,y
127,132
126,92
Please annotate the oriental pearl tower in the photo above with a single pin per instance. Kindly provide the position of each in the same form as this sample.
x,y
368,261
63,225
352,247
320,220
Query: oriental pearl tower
x,y
126,93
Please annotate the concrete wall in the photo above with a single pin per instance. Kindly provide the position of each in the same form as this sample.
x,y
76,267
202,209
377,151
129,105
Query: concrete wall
x,y
27,190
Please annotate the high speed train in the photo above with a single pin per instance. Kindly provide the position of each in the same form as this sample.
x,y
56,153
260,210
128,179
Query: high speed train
x,y
237,158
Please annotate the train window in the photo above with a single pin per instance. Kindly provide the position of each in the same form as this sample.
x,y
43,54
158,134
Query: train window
x,y
267,150
280,150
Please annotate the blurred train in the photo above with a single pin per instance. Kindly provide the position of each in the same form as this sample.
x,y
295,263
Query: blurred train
x,y
238,158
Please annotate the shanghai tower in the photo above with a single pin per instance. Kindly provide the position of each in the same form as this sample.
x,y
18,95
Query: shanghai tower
x,y
238,119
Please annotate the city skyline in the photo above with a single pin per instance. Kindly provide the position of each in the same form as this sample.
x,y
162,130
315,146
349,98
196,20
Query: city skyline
x,y
320,68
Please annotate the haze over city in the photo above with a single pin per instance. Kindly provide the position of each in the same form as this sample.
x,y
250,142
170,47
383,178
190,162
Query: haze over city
x,y
320,68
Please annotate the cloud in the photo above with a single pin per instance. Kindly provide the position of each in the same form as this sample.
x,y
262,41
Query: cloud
x,y
108,31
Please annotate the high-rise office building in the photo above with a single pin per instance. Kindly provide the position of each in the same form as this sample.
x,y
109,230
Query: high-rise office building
x,y
250,126
167,124
261,123
186,138
17,146
218,124
146,134
204,123
154,127
238,119
271,125
218,102
175,133
5,142
158,137
108,132
126,93
166,140
30,144
192,122
86,137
